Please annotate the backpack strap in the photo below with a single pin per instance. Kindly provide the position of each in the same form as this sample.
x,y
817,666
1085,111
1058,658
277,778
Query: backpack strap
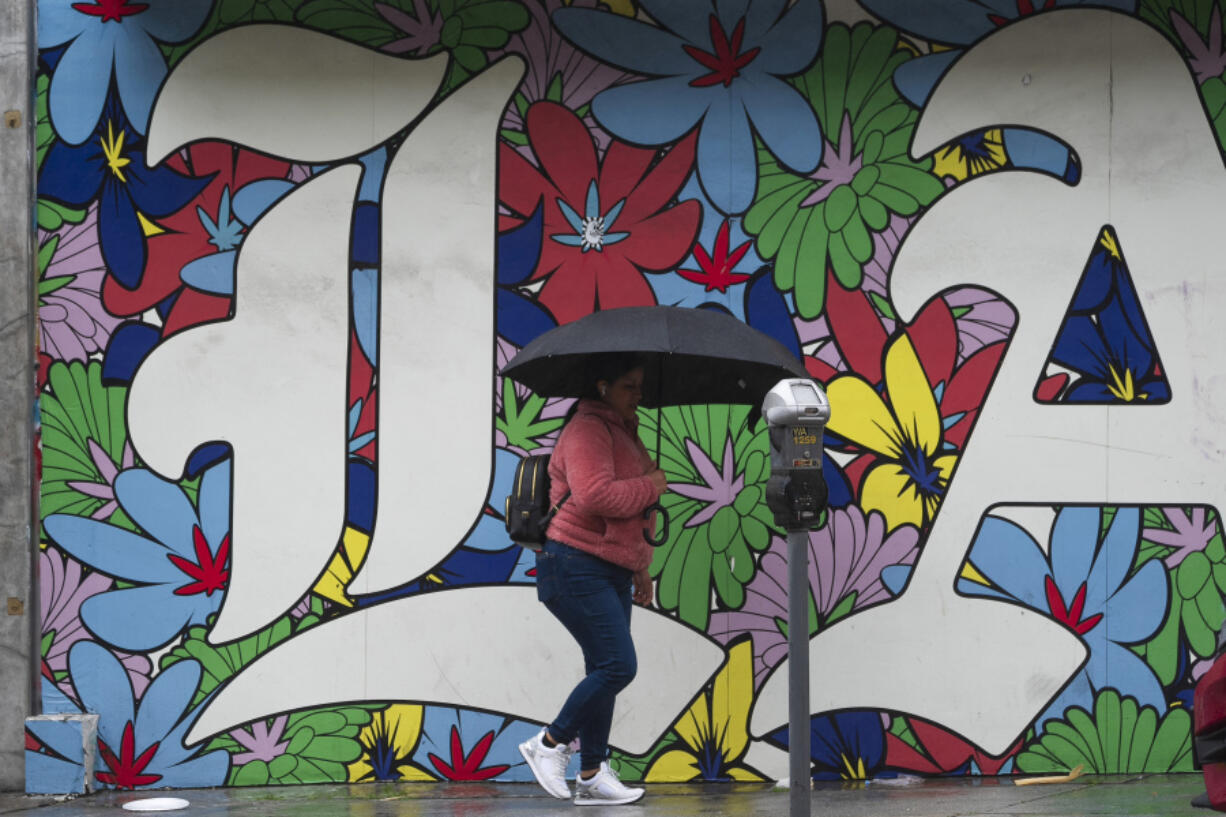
x,y
554,510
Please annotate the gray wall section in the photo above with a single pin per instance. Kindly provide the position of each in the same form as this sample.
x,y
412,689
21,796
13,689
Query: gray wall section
x,y
17,654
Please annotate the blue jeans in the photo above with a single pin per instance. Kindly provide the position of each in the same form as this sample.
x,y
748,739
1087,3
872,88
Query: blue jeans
x,y
592,599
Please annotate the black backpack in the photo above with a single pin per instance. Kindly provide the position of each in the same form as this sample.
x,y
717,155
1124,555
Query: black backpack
x,y
527,509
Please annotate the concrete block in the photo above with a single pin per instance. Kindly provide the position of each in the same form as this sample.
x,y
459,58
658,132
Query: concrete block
x,y
18,628
67,767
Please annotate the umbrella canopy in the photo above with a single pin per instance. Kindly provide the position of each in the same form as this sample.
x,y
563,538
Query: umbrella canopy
x,y
693,356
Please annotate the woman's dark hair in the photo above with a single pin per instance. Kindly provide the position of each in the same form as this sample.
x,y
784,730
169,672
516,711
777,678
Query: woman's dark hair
x,y
607,367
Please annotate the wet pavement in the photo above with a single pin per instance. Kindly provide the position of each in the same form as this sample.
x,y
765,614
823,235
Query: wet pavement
x,y
1147,795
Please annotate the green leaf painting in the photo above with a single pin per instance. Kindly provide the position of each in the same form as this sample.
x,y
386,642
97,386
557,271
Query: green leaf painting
x,y
1197,581
318,746
83,434
1213,93
466,29
826,220
522,423
356,20
717,464
1119,737
1197,14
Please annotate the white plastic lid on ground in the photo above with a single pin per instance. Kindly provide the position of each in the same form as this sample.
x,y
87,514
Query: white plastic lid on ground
x,y
157,804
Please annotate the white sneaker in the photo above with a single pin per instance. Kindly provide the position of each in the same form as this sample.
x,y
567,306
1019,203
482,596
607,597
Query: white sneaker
x,y
548,764
604,789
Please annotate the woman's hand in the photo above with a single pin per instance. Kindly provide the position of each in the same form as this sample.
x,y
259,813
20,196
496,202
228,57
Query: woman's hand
x,y
644,590
659,481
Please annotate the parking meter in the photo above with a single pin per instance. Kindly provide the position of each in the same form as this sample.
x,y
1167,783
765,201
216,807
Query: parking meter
x,y
796,411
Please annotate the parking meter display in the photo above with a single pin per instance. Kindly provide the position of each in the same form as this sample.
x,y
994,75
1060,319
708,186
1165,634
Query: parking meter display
x,y
796,411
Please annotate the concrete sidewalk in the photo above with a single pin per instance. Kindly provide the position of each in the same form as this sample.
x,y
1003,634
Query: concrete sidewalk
x,y
1141,795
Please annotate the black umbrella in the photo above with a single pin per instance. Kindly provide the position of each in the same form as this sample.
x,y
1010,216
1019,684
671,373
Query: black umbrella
x,y
693,356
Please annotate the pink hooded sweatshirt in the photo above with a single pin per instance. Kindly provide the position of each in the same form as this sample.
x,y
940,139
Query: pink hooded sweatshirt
x,y
600,459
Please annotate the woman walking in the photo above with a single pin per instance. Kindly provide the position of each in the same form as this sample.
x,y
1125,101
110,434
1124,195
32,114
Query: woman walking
x,y
593,565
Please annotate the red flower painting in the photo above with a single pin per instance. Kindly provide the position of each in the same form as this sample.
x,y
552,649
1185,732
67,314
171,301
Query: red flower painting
x,y
606,222
205,226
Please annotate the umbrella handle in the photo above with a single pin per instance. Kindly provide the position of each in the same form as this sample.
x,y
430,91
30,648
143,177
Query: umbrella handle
x,y
656,508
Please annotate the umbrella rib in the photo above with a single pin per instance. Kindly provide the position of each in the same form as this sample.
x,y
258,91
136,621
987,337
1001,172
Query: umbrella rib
x,y
660,407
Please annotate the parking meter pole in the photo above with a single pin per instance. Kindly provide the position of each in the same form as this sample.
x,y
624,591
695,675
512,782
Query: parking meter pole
x,y
796,412
798,673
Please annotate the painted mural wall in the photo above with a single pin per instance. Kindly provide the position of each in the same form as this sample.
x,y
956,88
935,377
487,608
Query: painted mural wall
x,y
284,248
